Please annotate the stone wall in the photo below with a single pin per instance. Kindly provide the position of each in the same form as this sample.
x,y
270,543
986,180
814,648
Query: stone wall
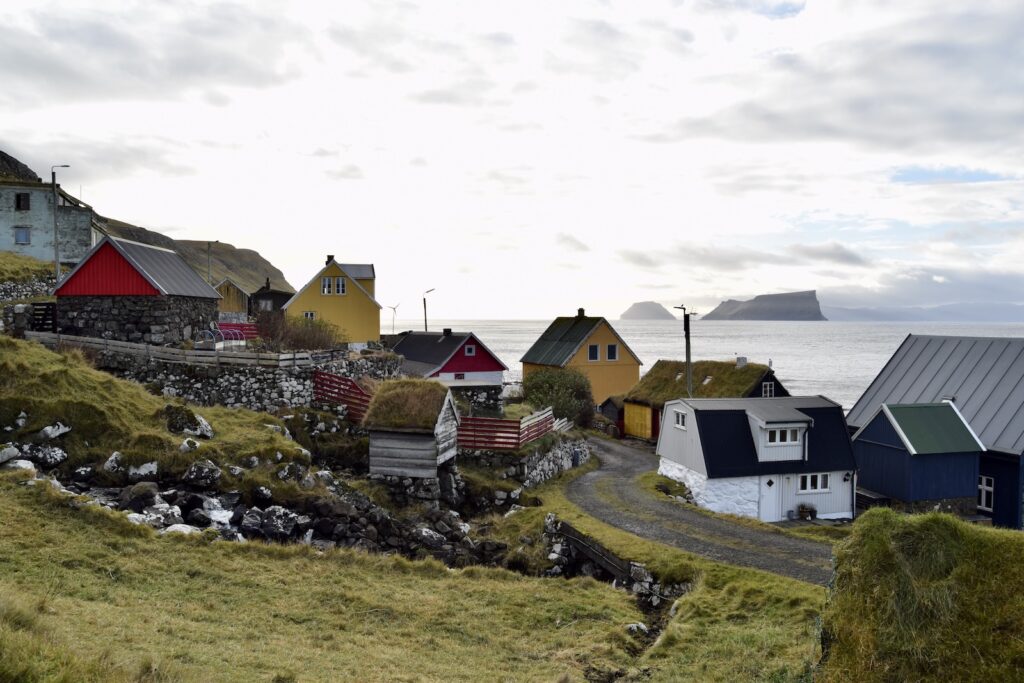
x,y
241,386
29,289
148,319
964,507
482,401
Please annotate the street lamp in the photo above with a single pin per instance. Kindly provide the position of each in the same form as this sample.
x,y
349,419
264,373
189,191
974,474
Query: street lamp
x,y
425,308
56,241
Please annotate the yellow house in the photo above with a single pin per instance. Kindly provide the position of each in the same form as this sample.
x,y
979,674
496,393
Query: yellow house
x,y
591,346
343,295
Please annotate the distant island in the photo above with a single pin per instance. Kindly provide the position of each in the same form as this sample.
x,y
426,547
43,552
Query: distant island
x,y
647,310
788,306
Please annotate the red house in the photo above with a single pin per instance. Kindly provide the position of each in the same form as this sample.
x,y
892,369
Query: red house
x,y
453,358
131,291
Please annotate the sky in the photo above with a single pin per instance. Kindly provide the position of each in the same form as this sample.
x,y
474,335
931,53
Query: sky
x,y
524,159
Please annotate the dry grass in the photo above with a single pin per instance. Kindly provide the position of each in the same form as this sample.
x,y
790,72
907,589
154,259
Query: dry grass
x,y
406,404
666,380
19,268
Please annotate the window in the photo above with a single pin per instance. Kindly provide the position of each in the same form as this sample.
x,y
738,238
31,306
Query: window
x,y
781,436
23,235
613,352
309,315
680,419
326,285
470,349
460,375
813,483
986,493
339,285
594,352
22,201
265,304
767,389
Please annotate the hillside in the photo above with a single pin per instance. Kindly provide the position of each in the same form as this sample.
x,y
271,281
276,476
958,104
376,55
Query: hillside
x,y
19,268
646,310
788,306
926,597
12,169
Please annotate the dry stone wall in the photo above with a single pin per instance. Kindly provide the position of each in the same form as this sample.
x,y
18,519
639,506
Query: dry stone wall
x,y
147,319
28,289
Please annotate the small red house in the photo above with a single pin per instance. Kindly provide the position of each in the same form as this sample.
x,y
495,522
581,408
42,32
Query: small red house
x,y
453,358
131,291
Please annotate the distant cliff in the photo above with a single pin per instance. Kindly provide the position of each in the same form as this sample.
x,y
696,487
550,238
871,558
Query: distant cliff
x,y
789,306
647,310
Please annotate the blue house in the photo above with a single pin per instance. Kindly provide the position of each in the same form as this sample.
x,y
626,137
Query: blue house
x,y
983,377
921,456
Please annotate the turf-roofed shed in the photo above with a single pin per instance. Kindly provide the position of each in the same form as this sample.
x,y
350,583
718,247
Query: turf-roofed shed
x,y
666,380
413,425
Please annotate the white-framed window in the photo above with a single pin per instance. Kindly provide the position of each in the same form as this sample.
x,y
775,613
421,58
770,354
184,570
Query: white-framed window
x,y
613,352
813,483
594,352
767,389
339,285
22,235
327,285
783,436
309,315
680,419
986,493
470,349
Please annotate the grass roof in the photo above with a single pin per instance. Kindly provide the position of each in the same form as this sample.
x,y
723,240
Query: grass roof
x,y
406,404
666,380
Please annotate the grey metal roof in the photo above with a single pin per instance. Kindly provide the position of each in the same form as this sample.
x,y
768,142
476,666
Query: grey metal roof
x,y
773,410
165,269
564,337
983,376
360,271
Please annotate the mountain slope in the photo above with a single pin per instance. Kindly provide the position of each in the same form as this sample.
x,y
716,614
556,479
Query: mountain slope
x,y
788,306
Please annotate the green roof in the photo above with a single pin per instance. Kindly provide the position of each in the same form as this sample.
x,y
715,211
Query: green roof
x,y
929,428
406,404
561,340
666,380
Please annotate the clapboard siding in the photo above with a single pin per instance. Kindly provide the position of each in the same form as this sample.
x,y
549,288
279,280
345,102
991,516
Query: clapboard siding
x,y
416,454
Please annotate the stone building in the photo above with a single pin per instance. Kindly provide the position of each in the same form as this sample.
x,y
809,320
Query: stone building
x,y
26,222
136,292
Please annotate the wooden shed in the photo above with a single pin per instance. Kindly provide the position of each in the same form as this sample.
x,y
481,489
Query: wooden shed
x,y
413,425
233,299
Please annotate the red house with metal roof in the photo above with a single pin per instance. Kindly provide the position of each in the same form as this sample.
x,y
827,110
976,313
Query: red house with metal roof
x,y
454,358
131,291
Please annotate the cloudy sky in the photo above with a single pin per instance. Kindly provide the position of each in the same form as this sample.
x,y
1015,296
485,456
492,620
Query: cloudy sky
x,y
526,158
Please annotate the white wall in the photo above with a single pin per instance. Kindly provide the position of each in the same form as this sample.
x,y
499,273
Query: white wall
x,y
491,377
736,495
836,503
681,446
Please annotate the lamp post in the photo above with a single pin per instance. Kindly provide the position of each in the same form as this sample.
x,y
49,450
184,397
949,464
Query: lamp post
x,y
689,365
56,240
425,308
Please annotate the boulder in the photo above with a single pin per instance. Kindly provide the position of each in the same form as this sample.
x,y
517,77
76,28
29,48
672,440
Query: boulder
x,y
53,431
181,420
278,523
145,471
46,456
180,529
114,463
82,474
261,495
188,445
201,474
138,496
8,452
19,465
198,517
293,471
252,522
428,537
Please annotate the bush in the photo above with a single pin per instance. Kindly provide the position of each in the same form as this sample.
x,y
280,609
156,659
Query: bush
x,y
282,332
567,391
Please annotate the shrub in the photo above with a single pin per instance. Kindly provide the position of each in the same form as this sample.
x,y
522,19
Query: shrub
x,y
567,391
282,332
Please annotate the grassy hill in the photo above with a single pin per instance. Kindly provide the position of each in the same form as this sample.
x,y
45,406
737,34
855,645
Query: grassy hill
x,y
20,268
926,597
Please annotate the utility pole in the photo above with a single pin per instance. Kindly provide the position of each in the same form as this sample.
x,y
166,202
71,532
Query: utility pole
x,y
689,364
425,308
209,276
56,239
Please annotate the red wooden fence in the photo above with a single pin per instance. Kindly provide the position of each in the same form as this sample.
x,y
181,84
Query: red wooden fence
x,y
330,388
485,433
246,330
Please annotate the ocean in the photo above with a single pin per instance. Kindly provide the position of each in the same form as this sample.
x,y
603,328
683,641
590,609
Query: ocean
x,y
834,359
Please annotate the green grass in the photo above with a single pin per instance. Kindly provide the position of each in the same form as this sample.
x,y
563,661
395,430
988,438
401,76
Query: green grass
x,y
517,411
406,404
19,268
100,593
107,414
660,383
926,597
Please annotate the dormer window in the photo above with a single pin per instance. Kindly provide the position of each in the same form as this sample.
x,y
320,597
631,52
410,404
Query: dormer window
x,y
767,389
783,436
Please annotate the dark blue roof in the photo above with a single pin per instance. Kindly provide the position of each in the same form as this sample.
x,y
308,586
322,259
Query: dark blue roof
x,y
729,449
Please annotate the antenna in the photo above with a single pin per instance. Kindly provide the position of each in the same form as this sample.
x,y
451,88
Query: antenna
x,y
689,365
394,311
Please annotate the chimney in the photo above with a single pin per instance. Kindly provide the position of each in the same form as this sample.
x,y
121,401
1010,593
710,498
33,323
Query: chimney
x,y
580,313
268,283
330,257
741,361
447,331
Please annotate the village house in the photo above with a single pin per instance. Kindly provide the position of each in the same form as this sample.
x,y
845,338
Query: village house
x,y
767,458
983,377
136,292
918,457
26,222
234,302
590,345
413,425
666,380
341,294
268,298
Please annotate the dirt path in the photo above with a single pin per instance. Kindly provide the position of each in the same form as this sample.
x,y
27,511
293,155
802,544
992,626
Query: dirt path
x,y
611,495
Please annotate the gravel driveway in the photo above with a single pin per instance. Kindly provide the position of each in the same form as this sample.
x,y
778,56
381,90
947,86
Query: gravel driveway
x,y
611,495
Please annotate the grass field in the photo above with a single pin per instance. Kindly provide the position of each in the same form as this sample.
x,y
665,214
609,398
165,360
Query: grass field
x,y
18,268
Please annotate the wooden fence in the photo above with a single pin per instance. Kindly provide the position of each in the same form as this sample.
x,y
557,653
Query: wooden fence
x,y
329,388
170,355
485,433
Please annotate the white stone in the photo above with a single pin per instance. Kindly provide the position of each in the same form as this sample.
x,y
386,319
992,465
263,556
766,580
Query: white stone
x,y
113,463
53,431
188,445
8,452
180,529
143,471
203,430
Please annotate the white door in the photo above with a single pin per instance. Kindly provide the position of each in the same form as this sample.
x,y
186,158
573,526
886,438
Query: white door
x,y
769,507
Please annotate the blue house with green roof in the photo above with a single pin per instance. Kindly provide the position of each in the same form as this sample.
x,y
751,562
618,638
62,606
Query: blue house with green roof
x,y
922,456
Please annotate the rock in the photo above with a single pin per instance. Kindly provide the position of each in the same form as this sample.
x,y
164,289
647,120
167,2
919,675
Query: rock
x,y
202,429
325,476
82,474
113,463
201,474
181,420
278,523
188,445
293,471
427,537
198,517
637,628
251,522
161,514
145,471
46,456
180,529
25,465
138,496
8,452
53,431
235,471
261,495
